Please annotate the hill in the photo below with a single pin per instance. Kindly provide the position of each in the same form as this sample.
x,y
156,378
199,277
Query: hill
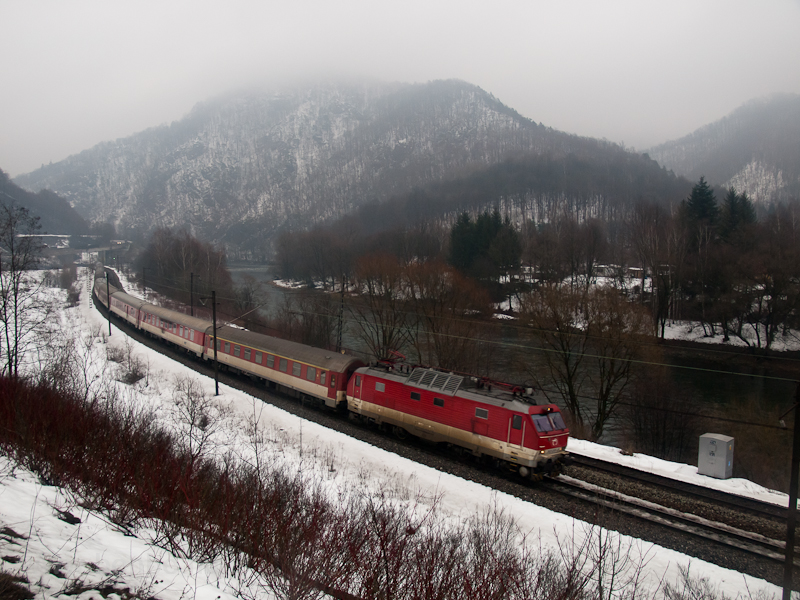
x,y
55,214
241,168
755,149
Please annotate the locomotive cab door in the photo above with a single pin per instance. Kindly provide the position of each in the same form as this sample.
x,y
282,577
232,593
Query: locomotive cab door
x,y
355,398
516,430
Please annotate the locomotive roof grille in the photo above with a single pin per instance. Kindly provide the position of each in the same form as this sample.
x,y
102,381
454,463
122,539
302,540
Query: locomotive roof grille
x,y
452,384
415,376
440,380
427,378
435,380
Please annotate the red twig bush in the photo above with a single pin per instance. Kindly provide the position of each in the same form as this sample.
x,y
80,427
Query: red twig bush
x,y
293,537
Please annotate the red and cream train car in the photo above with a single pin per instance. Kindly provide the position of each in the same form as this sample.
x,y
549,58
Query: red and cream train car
x,y
306,370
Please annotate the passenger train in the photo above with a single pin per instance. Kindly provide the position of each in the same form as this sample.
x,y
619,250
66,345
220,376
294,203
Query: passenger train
x,y
496,422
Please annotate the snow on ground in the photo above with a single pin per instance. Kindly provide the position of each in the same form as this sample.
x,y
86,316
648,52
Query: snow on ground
x,y
694,332
65,550
682,472
28,508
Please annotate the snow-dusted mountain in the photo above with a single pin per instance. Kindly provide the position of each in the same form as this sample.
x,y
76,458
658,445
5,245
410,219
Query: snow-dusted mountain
x,y
755,149
240,168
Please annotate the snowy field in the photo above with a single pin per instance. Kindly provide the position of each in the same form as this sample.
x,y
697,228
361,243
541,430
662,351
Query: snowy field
x,y
79,559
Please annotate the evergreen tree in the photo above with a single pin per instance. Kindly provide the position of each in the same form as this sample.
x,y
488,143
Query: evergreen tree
x,y
462,243
701,206
486,248
736,214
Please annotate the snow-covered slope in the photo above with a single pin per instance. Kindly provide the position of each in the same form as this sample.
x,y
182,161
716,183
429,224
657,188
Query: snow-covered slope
x,y
258,161
755,149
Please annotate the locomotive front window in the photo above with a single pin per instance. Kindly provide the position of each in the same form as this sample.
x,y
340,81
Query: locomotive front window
x,y
542,423
557,420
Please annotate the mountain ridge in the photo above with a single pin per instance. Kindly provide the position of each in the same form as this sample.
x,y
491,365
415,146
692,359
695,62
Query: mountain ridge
x,y
241,168
755,149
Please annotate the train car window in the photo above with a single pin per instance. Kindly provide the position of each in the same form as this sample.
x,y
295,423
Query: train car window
x,y
415,396
542,423
181,331
236,350
227,347
481,413
333,380
379,386
322,377
438,401
311,373
358,380
247,353
283,365
296,369
557,420
516,422
258,357
270,361
191,335
219,345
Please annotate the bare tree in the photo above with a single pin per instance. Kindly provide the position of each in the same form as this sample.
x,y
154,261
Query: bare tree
x,y
380,312
660,243
447,306
308,317
551,311
589,340
24,310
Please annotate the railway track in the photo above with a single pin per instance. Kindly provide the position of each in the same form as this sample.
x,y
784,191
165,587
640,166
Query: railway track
x,y
622,505
715,531
698,493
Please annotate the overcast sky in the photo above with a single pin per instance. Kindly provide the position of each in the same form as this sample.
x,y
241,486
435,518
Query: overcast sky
x,y
75,73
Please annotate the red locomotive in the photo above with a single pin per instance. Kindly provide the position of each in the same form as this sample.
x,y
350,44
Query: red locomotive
x,y
486,419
